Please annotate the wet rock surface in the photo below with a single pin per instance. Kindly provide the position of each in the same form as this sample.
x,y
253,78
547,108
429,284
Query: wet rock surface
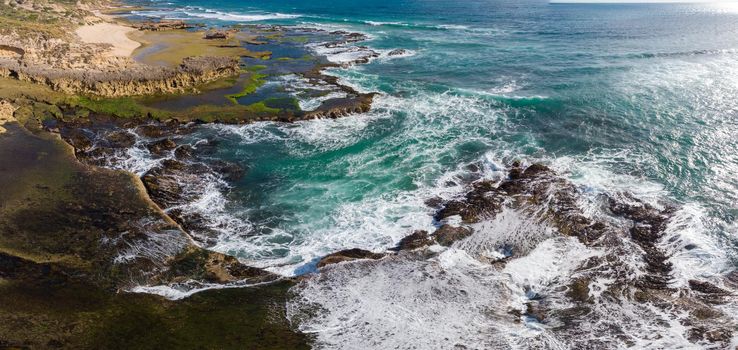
x,y
397,52
104,217
446,235
341,107
348,255
174,173
417,239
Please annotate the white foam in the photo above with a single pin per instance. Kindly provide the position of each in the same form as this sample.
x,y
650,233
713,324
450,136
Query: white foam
x,y
380,23
210,203
187,288
237,17
693,251
384,214
304,91
449,300
403,303
135,159
552,259
344,54
156,246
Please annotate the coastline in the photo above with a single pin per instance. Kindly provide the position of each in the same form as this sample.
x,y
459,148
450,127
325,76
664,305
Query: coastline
x,y
99,253
103,232
84,208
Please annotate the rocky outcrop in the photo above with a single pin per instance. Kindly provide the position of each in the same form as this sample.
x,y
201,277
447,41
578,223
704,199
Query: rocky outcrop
x,y
210,267
446,235
348,255
138,80
180,175
164,25
415,240
219,34
100,223
340,107
397,52
633,233
625,242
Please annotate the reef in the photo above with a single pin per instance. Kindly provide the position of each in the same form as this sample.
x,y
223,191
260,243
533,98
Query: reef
x,y
135,80
633,262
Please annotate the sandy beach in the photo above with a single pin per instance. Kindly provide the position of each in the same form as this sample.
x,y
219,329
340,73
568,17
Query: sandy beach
x,y
109,33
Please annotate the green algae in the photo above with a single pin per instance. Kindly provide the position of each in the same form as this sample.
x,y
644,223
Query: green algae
x,y
256,68
58,311
252,82
123,107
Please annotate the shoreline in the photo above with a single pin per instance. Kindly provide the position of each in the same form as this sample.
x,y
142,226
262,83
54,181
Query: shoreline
x,y
97,255
110,263
38,91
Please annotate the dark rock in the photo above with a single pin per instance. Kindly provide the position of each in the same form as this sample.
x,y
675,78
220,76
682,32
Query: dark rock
x,y
78,140
397,52
415,240
163,185
717,335
217,34
348,255
435,202
151,130
707,288
165,25
229,171
446,235
121,139
184,152
579,290
339,107
161,146
536,170
212,267
533,309
477,204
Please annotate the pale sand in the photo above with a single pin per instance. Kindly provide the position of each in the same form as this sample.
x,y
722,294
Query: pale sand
x,y
109,33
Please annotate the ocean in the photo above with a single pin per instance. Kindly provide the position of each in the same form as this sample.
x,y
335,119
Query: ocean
x,y
636,98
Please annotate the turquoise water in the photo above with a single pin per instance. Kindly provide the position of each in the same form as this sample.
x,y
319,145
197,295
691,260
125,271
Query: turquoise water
x,y
617,98
621,97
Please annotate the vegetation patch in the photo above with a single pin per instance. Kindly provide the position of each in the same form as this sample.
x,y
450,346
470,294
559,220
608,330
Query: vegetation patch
x,y
250,85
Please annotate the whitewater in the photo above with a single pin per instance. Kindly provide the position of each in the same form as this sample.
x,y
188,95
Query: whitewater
x,y
622,101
